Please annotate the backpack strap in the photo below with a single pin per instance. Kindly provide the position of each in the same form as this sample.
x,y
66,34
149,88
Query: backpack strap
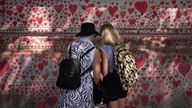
x,y
70,50
87,70
90,68
70,53
87,52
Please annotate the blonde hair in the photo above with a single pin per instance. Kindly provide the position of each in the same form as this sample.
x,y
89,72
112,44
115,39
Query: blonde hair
x,y
109,34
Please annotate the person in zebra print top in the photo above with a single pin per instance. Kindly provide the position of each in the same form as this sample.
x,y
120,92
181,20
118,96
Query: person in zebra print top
x,y
82,97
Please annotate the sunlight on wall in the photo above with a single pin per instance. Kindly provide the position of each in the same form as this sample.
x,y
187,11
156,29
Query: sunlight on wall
x,y
174,17
37,21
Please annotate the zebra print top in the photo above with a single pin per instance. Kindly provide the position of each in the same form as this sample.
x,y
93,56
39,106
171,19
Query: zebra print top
x,y
83,96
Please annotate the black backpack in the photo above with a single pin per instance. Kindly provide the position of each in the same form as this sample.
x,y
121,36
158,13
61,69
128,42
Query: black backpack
x,y
70,72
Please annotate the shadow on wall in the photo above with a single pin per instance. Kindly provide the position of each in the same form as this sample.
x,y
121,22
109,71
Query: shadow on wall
x,y
29,60
165,71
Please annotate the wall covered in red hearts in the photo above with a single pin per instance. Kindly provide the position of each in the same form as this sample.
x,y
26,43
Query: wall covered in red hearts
x,y
34,35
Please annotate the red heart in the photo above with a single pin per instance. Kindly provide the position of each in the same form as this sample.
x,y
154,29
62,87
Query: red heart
x,y
99,12
112,10
39,19
157,77
52,100
32,77
145,86
45,76
185,13
144,100
9,12
4,66
35,10
2,2
163,17
130,3
176,83
88,9
30,21
96,22
72,8
55,73
86,1
14,23
162,3
141,6
140,62
176,61
45,62
23,76
154,14
117,16
19,8
131,21
178,14
25,22
153,7
163,60
42,104
189,93
142,24
174,2
2,11
150,72
59,8
122,14
82,19
150,77
131,10
184,69
41,66
72,20
158,98
22,15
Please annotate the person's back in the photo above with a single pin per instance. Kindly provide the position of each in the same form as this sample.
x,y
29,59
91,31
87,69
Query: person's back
x,y
115,95
83,96
80,48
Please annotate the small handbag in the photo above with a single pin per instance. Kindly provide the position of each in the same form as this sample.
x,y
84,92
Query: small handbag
x,y
98,92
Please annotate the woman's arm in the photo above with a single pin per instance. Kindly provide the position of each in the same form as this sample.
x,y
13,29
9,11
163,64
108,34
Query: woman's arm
x,y
96,66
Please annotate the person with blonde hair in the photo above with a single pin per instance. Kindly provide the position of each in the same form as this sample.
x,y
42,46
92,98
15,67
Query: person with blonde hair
x,y
115,95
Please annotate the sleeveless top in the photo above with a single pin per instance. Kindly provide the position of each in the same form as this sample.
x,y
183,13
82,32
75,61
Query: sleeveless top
x,y
108,50
81,97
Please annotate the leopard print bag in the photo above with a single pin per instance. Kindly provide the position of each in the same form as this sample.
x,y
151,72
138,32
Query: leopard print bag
x,y
125,66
